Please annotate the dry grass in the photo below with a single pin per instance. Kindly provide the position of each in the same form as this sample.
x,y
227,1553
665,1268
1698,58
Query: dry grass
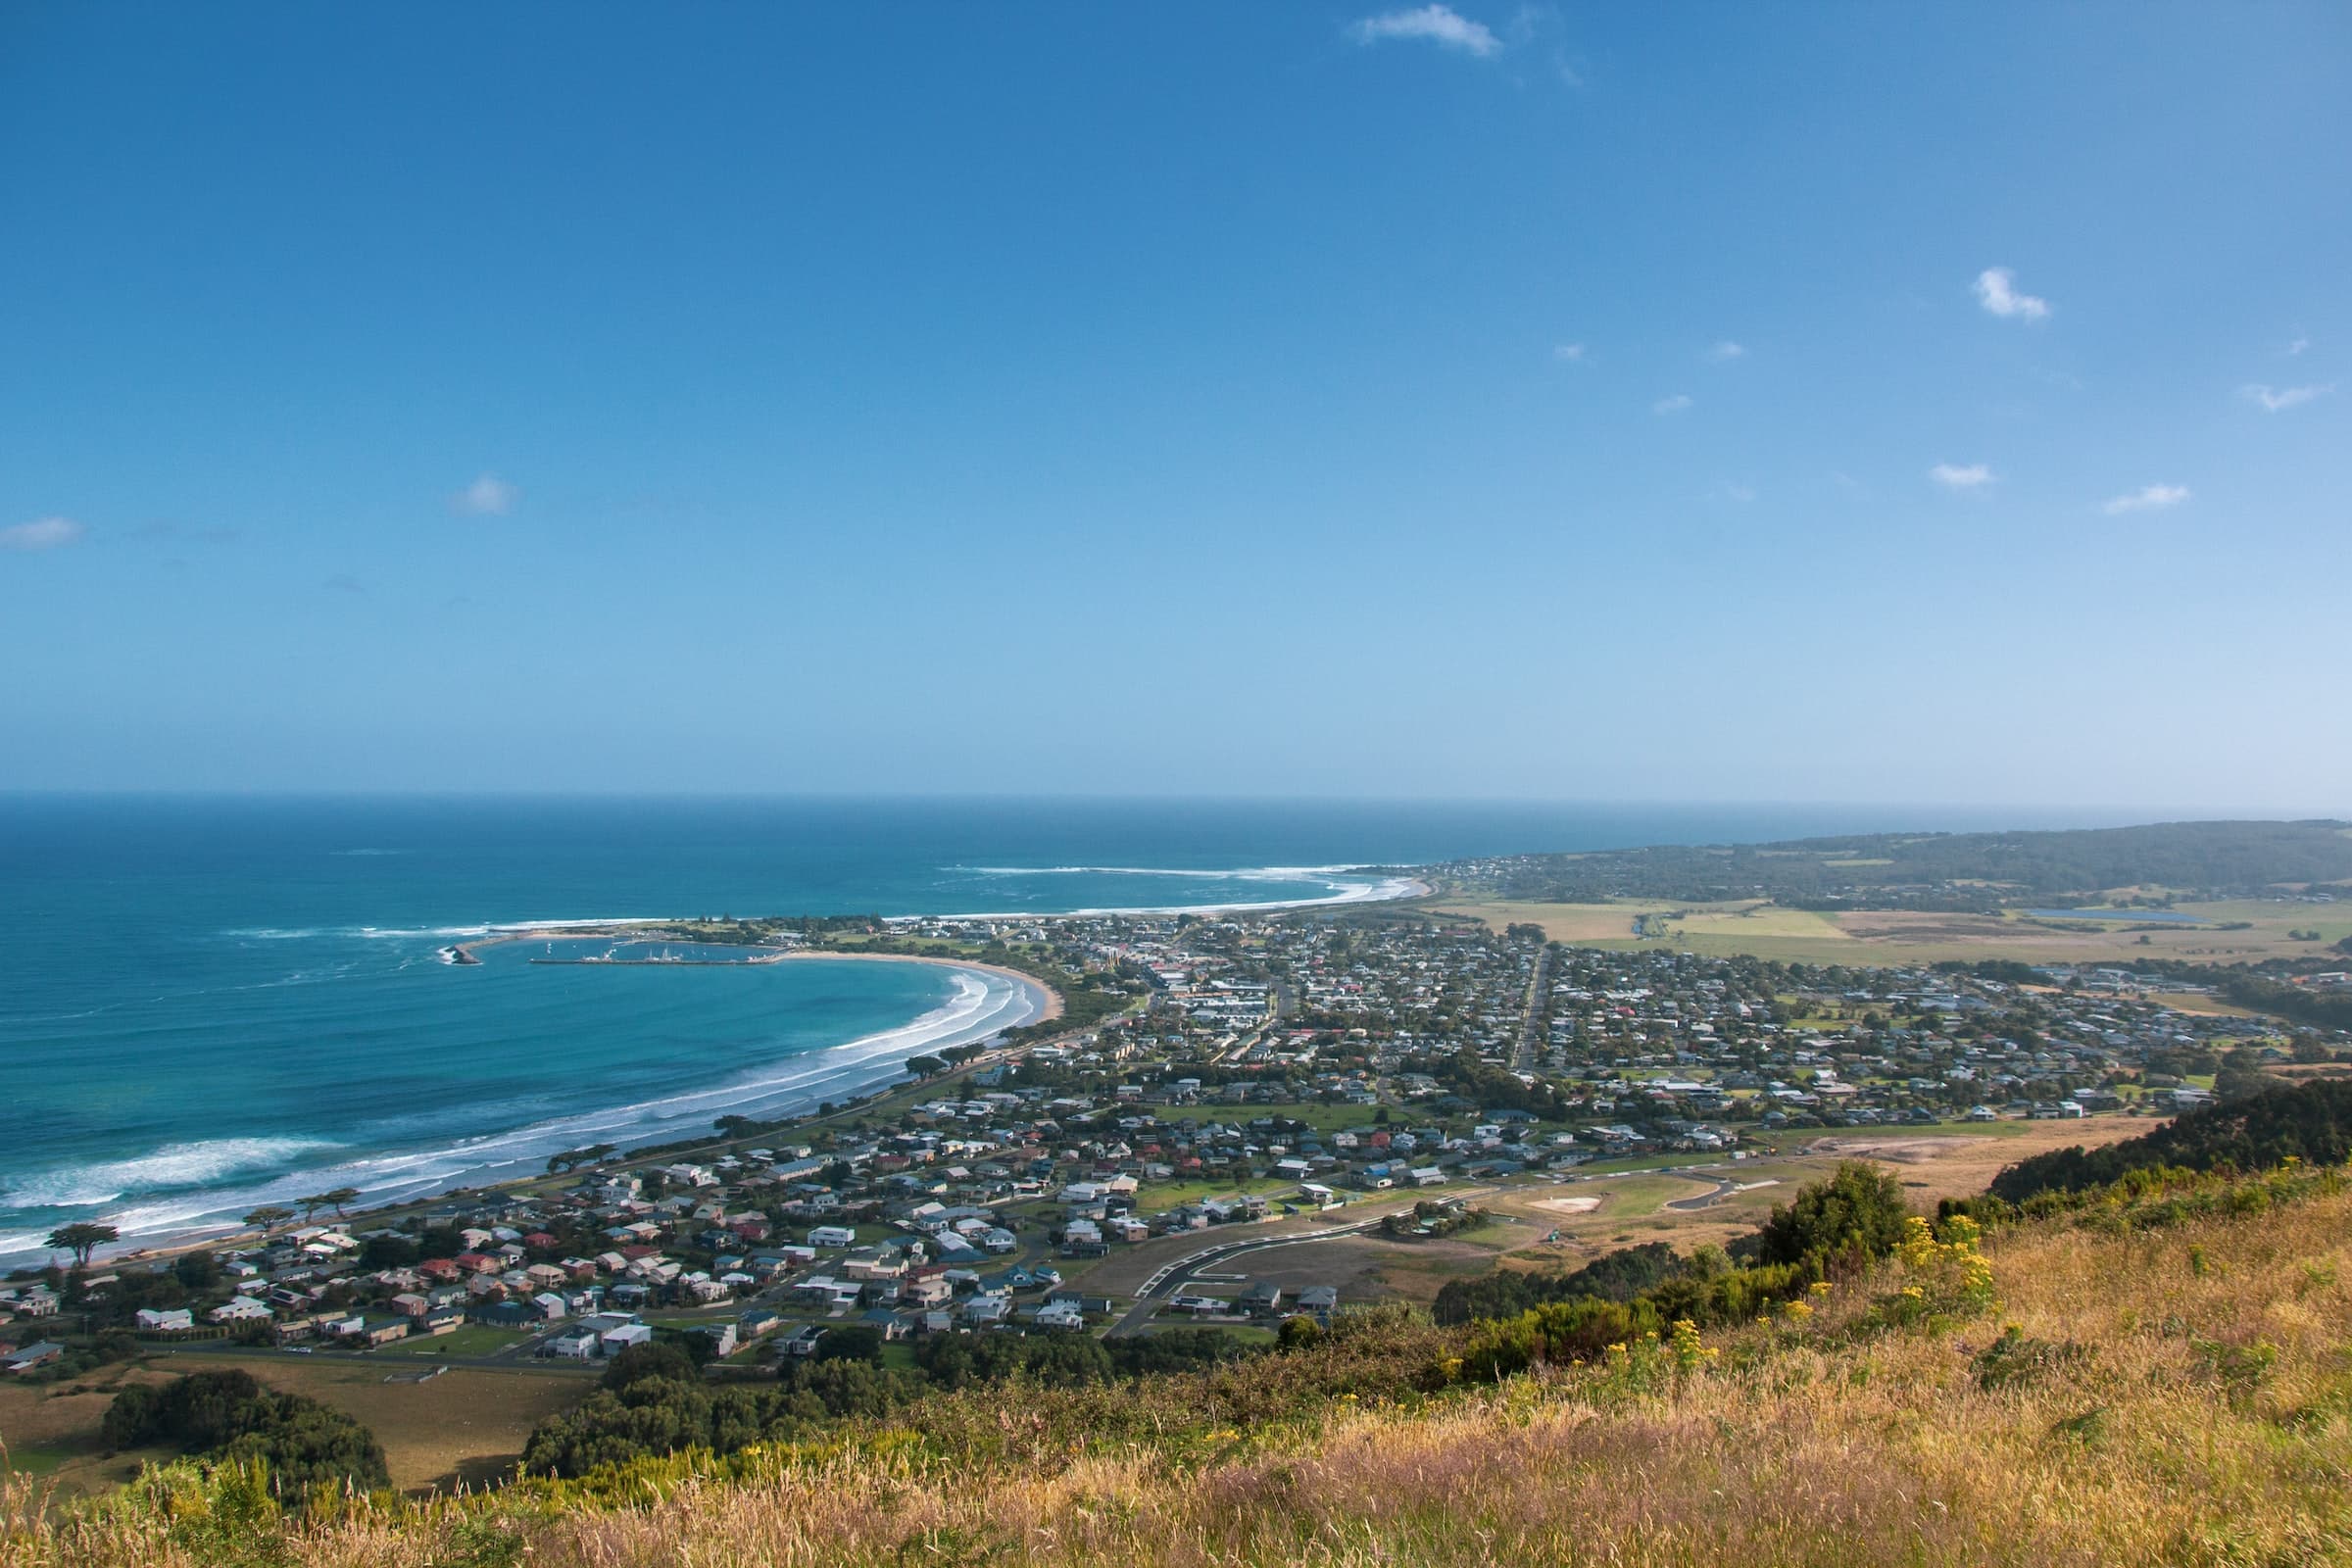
x,y
2169,1438
464,1427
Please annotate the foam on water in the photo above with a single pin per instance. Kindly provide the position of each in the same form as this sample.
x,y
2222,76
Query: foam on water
x,y
181,1165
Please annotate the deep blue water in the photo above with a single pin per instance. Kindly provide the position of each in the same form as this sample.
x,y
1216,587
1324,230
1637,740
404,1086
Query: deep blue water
x,y
208,1004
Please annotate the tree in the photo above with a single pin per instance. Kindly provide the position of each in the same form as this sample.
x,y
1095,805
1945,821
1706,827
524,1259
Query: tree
x,y
268,1217
197,1271
81,1239
311,1204
851,1342
1858,1206
228,1415
640,1364
339,1196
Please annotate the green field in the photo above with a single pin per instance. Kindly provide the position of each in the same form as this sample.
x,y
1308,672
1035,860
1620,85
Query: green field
x,y
474,1339
1160,1196
1756,929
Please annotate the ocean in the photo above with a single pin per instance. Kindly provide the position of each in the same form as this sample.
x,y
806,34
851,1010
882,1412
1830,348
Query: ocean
x,y
211,1003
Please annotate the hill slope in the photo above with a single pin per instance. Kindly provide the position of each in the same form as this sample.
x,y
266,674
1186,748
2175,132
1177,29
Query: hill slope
x,y
2164,1382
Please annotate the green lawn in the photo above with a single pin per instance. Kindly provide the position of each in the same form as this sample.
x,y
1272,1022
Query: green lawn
x,y
1159,1196
474,1339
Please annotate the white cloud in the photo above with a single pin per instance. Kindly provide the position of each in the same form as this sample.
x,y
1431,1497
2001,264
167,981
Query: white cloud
x,y
1673,404
2275,399
1959,476
1998,293
487,497
1741,493
1725,350
42,533
1568,353
2297,346
2147,498
1439,25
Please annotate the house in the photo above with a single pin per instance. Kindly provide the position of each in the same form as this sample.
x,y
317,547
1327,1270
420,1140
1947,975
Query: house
x,y
1060,1315
31,1356
1320,1302
926,1291
890,1325
176,1321
239,1309
618,1340
804,1341
384,1330
833,1236
580,1345
1261,1299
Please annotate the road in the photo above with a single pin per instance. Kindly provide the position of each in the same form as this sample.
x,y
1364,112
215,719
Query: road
x,y
394,1363
1172,1277
1532,1023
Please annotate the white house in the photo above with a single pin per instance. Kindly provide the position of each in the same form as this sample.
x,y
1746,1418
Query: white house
x,y
620,1339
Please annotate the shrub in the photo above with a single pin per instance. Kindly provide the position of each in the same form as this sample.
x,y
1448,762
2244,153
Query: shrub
x,y
297,1442
1858,1213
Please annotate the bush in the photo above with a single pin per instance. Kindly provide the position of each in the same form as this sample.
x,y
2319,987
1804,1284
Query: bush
x,y
1858,1210
650,1360
851,1342
228,1415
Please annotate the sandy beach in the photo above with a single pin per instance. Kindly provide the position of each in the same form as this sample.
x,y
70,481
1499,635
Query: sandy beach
x,y
1053,1001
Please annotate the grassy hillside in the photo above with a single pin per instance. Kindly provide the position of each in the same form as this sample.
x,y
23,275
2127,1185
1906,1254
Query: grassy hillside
x,y
2161,1378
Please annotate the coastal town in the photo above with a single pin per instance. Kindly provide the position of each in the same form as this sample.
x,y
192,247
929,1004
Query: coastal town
x,y
1239,1084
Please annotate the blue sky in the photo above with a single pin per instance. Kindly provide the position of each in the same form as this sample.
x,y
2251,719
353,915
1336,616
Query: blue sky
x,y
1941,403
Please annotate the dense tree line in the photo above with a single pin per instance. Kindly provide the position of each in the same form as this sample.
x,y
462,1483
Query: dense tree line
x,y
1918,870
2311,1122
228,1415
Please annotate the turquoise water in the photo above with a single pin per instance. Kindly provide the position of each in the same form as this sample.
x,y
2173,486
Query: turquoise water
x,y
206,1005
